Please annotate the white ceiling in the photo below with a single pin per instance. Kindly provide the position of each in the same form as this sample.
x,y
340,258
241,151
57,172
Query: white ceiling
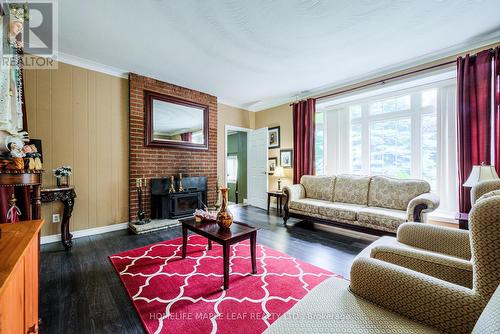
x,y
259,53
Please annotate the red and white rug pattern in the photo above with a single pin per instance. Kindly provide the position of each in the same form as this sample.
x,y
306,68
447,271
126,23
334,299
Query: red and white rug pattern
x,y
174,295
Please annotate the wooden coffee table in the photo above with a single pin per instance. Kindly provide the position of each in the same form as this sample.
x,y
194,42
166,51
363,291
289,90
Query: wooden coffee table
x,y
226,237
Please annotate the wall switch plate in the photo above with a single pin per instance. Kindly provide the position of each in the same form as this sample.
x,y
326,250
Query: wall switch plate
x,y
56,218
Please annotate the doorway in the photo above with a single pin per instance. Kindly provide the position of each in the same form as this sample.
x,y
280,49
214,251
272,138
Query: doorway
x,y
236,166
246,165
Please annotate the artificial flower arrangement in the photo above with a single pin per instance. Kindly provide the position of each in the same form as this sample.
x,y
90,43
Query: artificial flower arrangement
x,y
62,174
62,171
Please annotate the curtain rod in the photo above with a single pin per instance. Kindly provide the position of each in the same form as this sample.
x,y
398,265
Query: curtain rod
x,y
382,81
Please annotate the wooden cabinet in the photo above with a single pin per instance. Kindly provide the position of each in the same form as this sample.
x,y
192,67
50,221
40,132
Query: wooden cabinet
x,y
19,269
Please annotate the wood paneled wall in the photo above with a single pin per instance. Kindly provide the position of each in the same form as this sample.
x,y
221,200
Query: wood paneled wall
x,y
81,116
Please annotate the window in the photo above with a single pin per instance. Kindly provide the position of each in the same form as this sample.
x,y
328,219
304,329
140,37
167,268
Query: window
x,y
232,168
319,142
402,133
390,126
390,147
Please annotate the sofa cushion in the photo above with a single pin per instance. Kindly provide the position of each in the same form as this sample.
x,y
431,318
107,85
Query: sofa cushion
x,y
332,308
388,218
318,187
307,205
445,267
392,193
351,189
343,211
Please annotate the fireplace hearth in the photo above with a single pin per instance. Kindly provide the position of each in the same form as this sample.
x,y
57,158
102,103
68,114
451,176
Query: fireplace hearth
x,y
166,205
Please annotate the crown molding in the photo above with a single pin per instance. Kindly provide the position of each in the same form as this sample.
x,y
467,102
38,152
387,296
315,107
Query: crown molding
x,y
231,104
91,65
414,62
280,100
117,72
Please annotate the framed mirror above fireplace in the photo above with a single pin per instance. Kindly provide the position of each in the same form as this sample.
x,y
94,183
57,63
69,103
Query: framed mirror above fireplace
x,y
174,122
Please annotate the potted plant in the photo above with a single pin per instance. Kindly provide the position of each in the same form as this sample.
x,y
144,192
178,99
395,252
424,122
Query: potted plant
x,y
62,175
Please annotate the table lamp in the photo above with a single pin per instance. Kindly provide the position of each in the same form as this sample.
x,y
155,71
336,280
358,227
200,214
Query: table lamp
x,y
279,172
480,173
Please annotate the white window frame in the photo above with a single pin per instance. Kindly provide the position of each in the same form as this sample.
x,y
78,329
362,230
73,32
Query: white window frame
x,y
338,144
415,114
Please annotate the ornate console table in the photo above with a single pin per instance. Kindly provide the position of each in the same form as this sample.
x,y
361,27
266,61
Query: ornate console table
x,y
67,196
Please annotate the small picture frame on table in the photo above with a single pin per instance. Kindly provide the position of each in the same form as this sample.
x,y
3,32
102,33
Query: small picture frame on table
x,y
274,137
271,165
286,158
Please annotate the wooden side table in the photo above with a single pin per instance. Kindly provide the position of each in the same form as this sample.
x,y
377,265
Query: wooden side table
x,y
25,178
224,236
279,200
67,196
463,220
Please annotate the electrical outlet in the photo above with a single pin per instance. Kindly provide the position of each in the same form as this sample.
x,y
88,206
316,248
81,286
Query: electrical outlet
x,y
56,218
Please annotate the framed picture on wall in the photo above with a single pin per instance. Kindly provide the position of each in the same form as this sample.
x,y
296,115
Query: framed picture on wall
x,y
274,137
286,158
271,165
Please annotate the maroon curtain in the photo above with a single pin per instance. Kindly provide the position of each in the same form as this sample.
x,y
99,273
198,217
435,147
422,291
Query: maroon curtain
x,y
496,106
473,117
188,136
303,138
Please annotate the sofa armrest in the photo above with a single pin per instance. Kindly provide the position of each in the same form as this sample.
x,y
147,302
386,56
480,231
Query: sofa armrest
x,y
482,188
421,204
448,268
426,299
294,192
445,240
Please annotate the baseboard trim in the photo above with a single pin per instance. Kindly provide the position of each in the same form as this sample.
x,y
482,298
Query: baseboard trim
x,y
84,233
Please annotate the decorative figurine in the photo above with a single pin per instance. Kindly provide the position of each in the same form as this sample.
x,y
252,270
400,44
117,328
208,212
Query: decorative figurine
x,y
171,190
181,188
224,217
17,155
34,161
15,28
14,212
11,91
31,164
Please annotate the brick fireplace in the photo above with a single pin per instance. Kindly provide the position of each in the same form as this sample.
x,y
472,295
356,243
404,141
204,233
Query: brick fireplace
x,y
161,162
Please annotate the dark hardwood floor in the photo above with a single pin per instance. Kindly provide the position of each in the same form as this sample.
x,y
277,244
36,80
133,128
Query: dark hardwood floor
x,y
80,291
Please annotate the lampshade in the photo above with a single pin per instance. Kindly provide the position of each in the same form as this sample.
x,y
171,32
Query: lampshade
x,y
279,172
480,173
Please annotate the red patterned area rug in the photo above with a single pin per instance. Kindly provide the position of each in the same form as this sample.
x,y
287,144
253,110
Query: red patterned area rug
x,y
175,295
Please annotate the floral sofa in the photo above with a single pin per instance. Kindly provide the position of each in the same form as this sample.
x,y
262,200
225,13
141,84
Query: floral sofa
x,y
367,203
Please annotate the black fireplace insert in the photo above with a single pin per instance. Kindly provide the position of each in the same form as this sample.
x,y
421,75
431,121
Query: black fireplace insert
x,y
166,205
